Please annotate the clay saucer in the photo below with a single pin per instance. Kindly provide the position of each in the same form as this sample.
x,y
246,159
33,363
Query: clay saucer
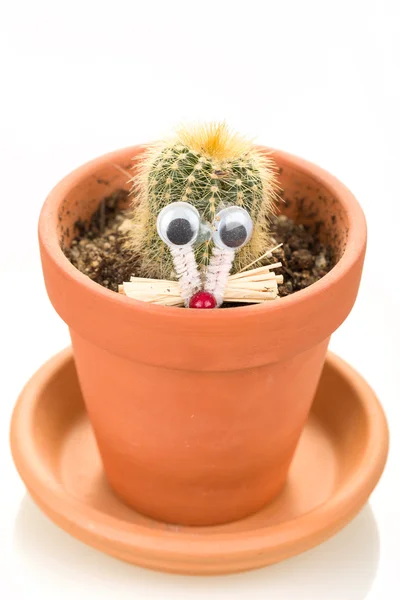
x,y
338,462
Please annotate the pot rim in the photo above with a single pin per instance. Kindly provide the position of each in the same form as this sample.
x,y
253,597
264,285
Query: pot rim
x,y
354,247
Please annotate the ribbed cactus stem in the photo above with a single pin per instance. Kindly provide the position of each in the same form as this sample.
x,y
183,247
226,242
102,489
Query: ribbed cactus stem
x,y
218,272
186,271
210,168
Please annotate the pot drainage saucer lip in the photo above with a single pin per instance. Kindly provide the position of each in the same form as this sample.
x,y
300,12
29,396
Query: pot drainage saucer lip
x,y
339,460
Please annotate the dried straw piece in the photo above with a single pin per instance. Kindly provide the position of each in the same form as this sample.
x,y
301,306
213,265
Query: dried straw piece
x,y
252,286
248,286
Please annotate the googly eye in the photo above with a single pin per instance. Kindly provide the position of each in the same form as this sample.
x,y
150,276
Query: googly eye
x,y
233,228
178,224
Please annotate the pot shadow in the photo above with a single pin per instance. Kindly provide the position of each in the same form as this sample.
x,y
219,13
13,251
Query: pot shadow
x,y
342,567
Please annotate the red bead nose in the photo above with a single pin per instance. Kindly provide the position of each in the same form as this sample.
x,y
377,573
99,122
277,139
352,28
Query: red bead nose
x,y
203,300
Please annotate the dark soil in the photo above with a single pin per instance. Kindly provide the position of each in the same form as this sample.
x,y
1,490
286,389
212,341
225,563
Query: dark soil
x,y
305,259
98,250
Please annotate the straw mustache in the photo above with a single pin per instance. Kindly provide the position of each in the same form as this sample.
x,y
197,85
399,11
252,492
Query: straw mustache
x,y
248,286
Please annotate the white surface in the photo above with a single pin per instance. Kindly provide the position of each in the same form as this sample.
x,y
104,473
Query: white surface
x,y
318,79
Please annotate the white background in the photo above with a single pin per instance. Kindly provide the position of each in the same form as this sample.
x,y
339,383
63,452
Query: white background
x,y
319,79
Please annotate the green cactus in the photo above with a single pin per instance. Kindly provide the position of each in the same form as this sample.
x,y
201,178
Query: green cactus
x,y
210,168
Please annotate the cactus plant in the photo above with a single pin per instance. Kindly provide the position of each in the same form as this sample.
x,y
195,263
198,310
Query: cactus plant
x,y
209,167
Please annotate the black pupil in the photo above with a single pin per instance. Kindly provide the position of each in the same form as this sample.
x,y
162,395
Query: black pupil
x,y
233,235
179,232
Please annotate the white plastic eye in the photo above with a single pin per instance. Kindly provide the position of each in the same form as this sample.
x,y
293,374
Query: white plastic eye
x,y
233,228
178,224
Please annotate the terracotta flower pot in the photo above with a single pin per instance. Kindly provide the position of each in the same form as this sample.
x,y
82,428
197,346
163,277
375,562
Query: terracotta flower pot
x,y
197,414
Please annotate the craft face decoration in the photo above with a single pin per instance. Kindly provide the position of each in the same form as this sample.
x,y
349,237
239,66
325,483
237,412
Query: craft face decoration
x,y
179,225
201,207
